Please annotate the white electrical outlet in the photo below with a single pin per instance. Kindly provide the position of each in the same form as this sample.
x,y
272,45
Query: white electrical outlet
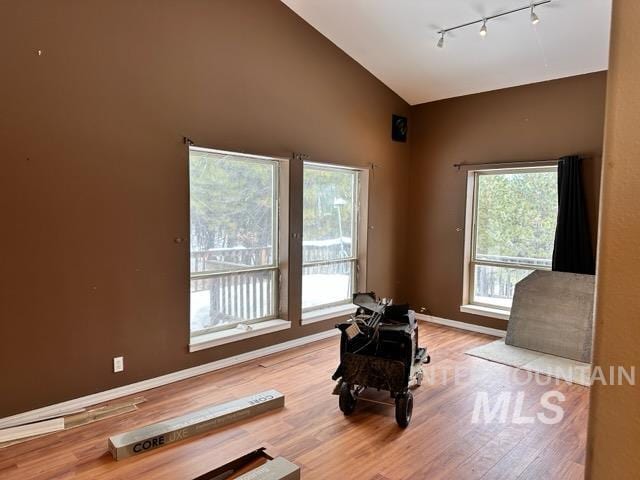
x,y
118,364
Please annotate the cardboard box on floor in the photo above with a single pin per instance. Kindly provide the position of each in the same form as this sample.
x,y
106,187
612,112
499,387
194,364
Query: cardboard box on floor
x,y
256,465
179,428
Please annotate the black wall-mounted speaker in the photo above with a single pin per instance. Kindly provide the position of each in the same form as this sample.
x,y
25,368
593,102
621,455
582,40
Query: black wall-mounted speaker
x,y
399,128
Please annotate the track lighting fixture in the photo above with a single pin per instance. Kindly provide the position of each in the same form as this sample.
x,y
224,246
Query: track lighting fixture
x,y
483,30
534,17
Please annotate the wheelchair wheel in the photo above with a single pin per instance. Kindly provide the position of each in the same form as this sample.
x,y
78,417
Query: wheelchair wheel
x,y
404,408
347,401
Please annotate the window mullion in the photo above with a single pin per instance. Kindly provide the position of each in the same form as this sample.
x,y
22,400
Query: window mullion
x,y
519,266
329,262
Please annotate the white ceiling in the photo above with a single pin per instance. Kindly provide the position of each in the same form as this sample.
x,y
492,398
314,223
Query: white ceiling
x,y
396,41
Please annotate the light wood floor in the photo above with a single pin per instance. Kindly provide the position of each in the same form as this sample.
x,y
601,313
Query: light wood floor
x,y
440,443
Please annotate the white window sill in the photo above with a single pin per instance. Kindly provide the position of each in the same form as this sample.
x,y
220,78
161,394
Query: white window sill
x,y
213,339
485,311
327,313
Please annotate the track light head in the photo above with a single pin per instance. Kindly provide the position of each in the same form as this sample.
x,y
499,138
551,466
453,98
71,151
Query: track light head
x,y
441,41
534,17
483,30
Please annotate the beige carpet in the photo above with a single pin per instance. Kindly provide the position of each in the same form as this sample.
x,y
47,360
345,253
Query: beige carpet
x,y
542,363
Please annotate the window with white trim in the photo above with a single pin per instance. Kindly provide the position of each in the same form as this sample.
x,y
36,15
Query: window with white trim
x,y
332,248
512,214
234,239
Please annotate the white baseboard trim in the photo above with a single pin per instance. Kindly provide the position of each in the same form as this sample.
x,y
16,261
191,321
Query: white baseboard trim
x,y
461,325
100,397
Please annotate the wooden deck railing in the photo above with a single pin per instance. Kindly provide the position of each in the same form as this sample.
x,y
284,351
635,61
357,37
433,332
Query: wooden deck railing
x,y
236,293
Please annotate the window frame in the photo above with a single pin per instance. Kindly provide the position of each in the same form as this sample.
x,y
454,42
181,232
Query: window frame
x,y
469,304
279,236
359,226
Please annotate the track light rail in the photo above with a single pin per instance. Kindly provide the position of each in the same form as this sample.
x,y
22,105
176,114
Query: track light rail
x,y
491,17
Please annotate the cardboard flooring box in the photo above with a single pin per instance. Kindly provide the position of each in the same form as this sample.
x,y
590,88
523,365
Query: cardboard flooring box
x,y
256,465
175,429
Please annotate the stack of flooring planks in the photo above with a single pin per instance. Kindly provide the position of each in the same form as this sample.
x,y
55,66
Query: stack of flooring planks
x,y
13,434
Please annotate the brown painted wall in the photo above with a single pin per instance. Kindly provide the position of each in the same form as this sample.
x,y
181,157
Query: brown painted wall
x,y
93,189
532,122
614,418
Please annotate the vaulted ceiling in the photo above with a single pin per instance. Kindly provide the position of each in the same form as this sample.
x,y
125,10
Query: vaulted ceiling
x,y
396,41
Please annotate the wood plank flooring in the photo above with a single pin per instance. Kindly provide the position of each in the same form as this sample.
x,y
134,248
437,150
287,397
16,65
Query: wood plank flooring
x,y
441,442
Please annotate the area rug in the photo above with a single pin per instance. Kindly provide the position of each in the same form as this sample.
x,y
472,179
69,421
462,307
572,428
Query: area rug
x,y
556,367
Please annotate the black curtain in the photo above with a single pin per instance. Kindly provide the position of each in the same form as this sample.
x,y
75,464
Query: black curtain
x,y
572,250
